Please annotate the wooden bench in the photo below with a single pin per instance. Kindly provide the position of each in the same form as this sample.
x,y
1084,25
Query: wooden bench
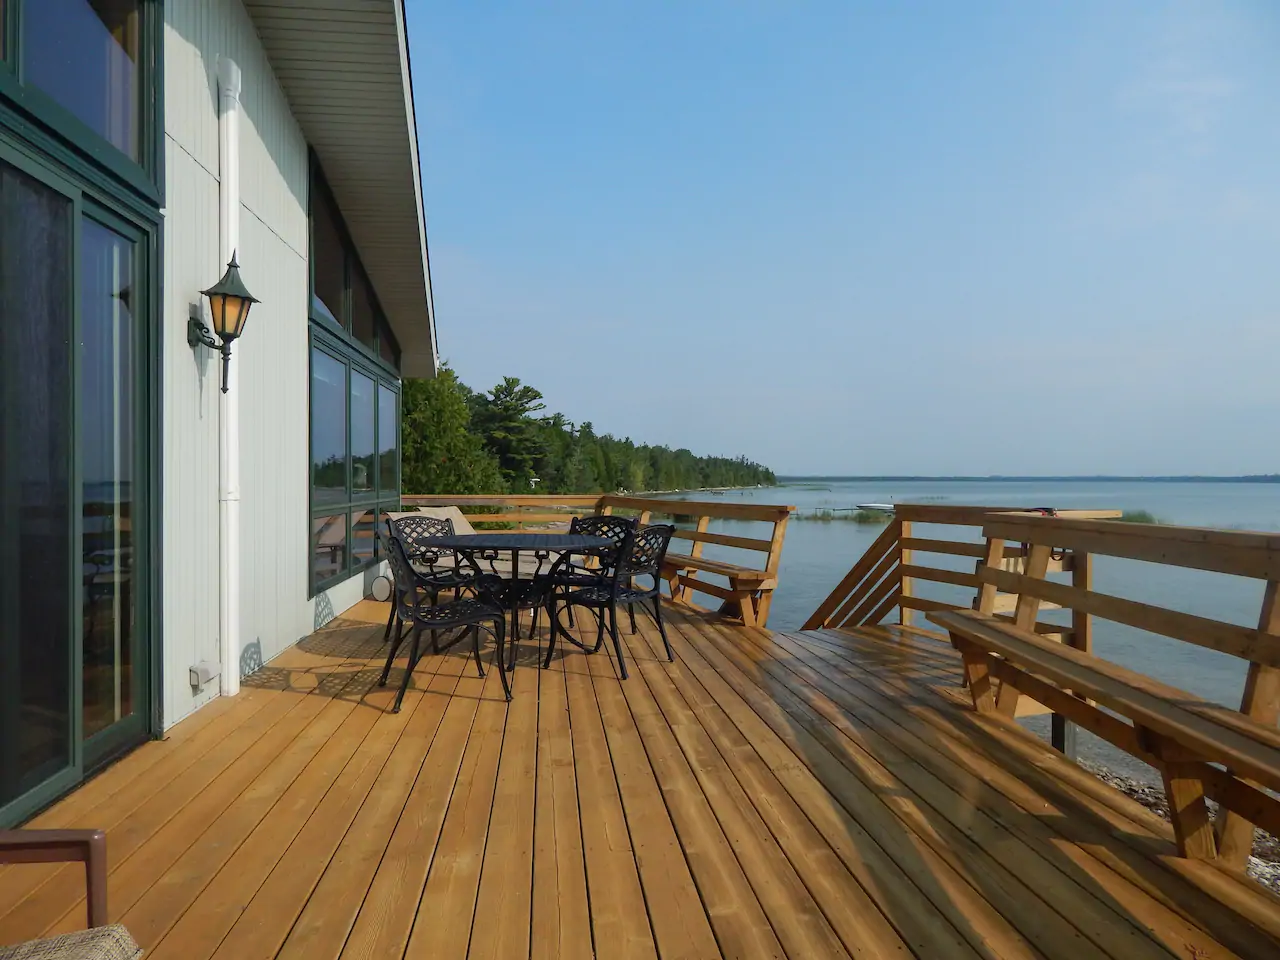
x,y
749,592
1202,749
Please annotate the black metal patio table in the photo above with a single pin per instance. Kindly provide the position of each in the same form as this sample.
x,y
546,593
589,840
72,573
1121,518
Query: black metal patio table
x,y
514,590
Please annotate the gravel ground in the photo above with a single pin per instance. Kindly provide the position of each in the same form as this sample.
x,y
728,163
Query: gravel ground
x,y
1264,865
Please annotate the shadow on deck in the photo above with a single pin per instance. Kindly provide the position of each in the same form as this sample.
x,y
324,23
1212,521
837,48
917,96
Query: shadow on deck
x,y
803,794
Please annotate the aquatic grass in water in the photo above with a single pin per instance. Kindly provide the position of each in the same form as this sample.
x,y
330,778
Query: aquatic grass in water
x,y
846,515
1139,516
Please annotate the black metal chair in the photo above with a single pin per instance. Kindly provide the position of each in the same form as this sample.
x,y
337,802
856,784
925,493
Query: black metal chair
x,y
416,534
414,606
641,555
576,575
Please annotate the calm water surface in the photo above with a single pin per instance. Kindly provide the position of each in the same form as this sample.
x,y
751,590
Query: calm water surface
x,y
817,554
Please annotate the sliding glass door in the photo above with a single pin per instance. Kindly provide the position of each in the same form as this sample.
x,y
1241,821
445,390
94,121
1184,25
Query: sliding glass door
x,y
74,657
109,496
38,742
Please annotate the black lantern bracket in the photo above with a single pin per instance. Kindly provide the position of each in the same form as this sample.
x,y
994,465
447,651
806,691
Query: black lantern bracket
x,y
198,334
229,304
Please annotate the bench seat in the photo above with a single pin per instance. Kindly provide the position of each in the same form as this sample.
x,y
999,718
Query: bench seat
x,y
1180,733
747,596
731,570
1213,732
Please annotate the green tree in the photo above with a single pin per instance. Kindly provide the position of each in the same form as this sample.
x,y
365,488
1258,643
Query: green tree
x,y
504,418
440,450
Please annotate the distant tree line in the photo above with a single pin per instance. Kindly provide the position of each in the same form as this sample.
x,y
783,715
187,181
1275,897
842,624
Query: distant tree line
x,y
455,440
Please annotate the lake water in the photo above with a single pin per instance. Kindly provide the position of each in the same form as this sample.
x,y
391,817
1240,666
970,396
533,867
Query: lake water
x,y
817,554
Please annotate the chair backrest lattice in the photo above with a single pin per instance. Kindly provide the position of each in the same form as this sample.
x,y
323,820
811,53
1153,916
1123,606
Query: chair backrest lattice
x,y
648,548
416,531
613,528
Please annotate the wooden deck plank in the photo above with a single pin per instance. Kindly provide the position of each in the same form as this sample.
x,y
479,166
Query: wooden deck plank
x,y
129,830
741,926
386,917
832,904
265,923
1007,801
1127,838
926,900
321,929
676,912
126,785
501,927
170,869
214,904
1056,909
619,915
807,794
791,915
442,927
561,924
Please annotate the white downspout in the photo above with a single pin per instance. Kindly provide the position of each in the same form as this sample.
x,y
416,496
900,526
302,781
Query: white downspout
x,y
229,418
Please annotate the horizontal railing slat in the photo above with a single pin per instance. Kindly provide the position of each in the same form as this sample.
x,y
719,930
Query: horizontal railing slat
x,y
1246,642
724,540
938,575
731,511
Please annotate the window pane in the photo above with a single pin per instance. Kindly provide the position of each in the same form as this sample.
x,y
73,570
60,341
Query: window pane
x,y
106,452
388,442
328,429
362,534
362,309
328,546
84,54
386,346
362,447
35,482
328,258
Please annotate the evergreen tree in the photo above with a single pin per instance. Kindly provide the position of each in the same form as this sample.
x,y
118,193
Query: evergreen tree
x,y
457,441
439,451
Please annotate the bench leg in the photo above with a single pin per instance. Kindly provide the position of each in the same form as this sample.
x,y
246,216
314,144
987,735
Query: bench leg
x,y
1187,809
762,607
1184,790
747,607
1007,696
977,674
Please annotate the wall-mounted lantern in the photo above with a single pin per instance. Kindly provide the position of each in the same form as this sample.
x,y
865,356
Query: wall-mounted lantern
x,y
229,304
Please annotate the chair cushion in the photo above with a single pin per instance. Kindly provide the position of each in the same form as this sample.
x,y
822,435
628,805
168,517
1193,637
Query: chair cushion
x,y
100,943
460,523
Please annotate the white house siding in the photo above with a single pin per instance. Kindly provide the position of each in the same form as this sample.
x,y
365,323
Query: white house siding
x,y
271,358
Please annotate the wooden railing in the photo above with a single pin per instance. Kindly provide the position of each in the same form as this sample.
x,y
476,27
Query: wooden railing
x,y
889,575
749,584
539,509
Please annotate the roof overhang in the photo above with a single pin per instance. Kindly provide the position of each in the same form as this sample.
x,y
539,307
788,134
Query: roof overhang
x,y
344,66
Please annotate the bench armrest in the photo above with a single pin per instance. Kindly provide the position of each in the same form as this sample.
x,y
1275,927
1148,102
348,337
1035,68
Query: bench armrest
x,y
64,846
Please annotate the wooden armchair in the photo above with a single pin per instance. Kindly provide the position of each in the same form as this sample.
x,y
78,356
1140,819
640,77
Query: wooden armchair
x,y
101,941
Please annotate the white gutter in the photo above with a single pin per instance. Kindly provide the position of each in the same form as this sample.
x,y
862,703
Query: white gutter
x,y
229,411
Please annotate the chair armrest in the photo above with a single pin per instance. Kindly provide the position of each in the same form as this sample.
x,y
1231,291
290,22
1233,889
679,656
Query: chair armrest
x,y
64,846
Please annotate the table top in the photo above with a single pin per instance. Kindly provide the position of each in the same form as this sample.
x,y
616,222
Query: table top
x,y
518,541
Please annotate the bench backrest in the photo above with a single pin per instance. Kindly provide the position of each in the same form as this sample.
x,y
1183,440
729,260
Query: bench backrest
x,y
1251,555
703,512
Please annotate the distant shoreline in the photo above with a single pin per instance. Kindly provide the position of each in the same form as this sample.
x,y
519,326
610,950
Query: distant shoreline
x,y
1248,478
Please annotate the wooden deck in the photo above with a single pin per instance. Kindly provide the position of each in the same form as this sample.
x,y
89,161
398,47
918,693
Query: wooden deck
x,y
767,795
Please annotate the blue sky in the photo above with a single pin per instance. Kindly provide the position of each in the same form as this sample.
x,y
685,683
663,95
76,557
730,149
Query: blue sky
x,y
936,238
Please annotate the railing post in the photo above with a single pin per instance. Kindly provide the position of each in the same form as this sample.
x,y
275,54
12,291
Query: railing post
x,y
904,591
1062,733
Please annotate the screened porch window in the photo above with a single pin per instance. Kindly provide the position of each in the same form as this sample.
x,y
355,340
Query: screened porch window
x,y
355,459
85,54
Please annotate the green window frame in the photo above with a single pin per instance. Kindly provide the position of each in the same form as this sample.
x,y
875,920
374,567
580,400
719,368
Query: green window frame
x,y
354,294
37,116
343,516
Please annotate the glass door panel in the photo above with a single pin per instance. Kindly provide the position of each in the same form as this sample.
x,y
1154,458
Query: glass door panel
x,y
108,415
37,740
